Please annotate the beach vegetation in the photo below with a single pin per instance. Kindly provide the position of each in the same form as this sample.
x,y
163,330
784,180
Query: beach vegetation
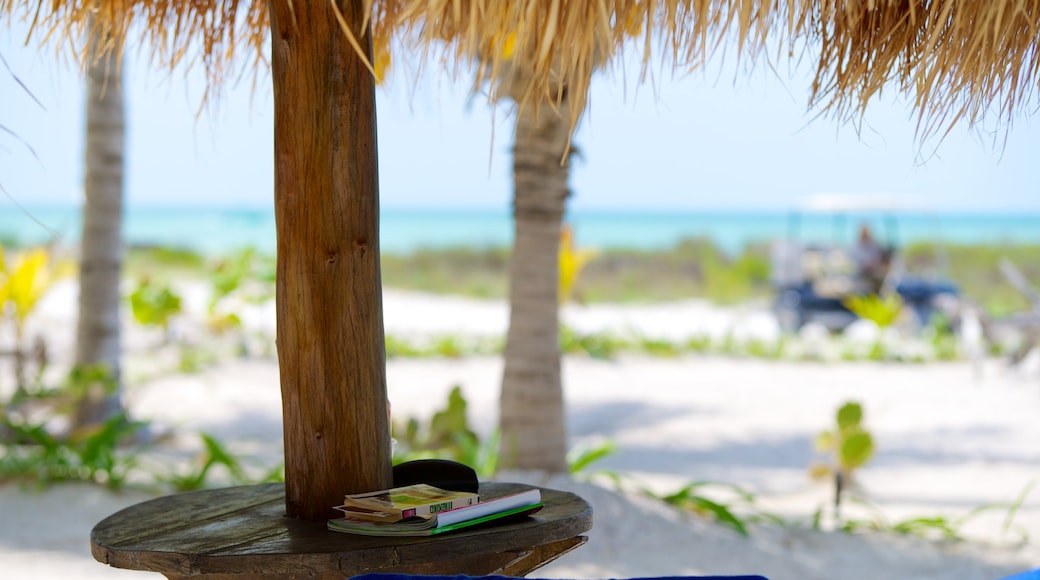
x,y
41,443
25,278
447,435
244,277
657,347
441,345
727,504
399,347
580,457
448,346
764,349
976,270
598,345
938,527
477,273
698,344
198,472
193,359
935,344
35,454
882,310
572,262
163,261
849,446
940,336
692,269
155,304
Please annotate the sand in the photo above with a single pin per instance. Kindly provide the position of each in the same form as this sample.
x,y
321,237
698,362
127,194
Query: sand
x,y
948,440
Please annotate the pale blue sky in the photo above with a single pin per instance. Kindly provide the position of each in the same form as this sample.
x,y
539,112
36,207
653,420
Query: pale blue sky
x,y
704,141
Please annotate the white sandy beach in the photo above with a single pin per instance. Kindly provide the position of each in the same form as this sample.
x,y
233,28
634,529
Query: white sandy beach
x,y
947,442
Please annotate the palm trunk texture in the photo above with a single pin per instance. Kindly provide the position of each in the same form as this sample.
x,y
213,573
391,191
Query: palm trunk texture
x,y
101,247
329,312
533,433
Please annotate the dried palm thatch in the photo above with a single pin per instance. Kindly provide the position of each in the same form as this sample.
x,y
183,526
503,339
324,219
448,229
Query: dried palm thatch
x,y
211,31
958,59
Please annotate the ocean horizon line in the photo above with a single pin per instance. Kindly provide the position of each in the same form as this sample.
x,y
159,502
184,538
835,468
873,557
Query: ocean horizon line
x,y
1026,211
223,230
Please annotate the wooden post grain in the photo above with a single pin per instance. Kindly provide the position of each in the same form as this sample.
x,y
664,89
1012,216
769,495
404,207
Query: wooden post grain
x,y
331,350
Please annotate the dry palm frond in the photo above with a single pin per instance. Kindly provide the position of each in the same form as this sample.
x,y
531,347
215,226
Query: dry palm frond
x,y
959,59
213,31
555,45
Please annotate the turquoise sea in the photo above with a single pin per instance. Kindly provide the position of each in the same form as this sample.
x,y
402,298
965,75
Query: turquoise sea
x,y
220,230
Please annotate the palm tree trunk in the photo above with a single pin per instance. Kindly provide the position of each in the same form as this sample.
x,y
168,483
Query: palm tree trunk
x,y
331,350
101,247
533,433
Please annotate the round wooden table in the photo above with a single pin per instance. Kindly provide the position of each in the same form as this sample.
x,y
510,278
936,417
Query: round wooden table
x,y
242,532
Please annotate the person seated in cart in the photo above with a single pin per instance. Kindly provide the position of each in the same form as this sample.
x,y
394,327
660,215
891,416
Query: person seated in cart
x,y
871,259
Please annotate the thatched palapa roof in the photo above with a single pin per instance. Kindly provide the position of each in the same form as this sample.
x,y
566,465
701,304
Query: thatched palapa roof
x,y
957,59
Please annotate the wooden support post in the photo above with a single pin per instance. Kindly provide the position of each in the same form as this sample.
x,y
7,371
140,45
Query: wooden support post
x,y
331,350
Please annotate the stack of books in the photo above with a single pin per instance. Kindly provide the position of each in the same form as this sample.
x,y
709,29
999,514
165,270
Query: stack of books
x,y
425,510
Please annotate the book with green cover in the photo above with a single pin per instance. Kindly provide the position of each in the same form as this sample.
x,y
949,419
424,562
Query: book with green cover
x,y
525,502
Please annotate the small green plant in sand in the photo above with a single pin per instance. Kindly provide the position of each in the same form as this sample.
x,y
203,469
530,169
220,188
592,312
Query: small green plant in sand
x,y
849,446
154,304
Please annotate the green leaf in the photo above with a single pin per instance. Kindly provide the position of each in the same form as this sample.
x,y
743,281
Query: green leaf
x,y
825,442
856,450
217,454
882,311
580,458
154,305
721,513
849,415
925,526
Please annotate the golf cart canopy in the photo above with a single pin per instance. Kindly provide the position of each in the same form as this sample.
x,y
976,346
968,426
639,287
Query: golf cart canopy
x,y
858,202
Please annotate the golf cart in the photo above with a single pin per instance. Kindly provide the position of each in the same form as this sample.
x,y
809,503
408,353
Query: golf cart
x,y
819,266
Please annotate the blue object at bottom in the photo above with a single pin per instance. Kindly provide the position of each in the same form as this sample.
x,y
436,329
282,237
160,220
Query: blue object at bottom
x,y
464,577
